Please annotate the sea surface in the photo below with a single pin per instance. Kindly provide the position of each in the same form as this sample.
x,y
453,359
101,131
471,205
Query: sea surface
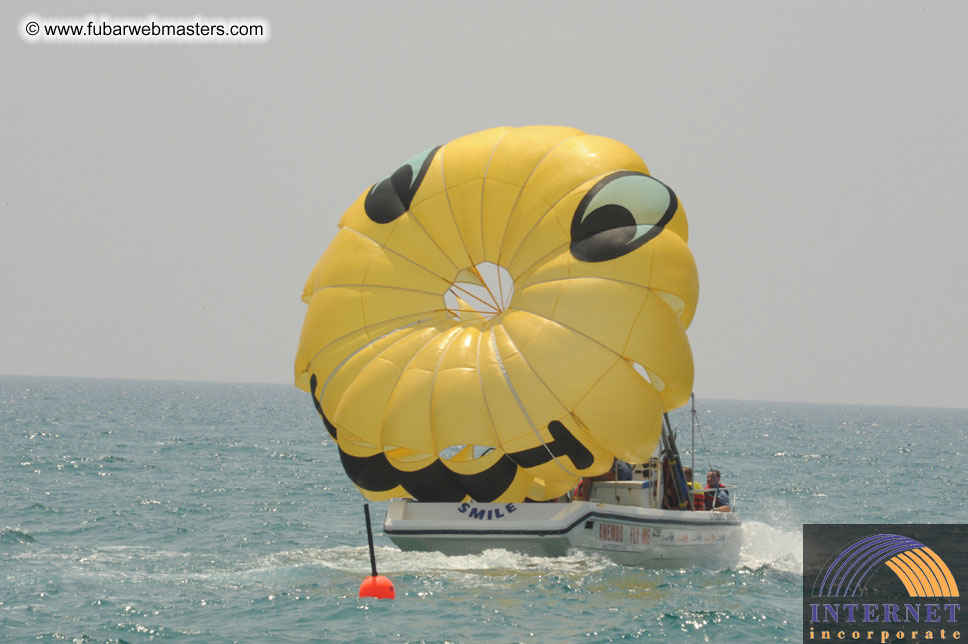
x,y
136,511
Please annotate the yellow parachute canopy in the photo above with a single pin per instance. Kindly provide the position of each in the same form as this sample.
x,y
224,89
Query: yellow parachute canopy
x,y
442,383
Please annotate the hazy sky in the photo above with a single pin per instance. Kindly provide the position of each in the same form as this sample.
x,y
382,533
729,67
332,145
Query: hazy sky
x,y
162,205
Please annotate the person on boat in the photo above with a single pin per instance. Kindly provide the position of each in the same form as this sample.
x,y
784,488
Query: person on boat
x,y
717,498
623,471
670,497
695,490
620,471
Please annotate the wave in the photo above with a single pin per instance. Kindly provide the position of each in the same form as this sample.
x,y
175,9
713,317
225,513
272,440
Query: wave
x,y
11,536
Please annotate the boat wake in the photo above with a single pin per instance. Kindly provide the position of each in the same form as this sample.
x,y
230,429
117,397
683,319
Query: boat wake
x,y
391,560
766,546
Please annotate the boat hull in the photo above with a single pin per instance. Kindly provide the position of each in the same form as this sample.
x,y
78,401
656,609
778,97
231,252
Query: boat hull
x,y
628,535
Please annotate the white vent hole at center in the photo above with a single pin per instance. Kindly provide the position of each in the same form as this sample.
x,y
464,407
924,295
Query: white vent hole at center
x,y
480,293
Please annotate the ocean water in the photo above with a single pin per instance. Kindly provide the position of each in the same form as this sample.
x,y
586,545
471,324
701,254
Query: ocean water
x,y
136,511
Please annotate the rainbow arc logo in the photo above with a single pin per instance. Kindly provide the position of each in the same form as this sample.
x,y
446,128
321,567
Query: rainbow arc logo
x,y
919,568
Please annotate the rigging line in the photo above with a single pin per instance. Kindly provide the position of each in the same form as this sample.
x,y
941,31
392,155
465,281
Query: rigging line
x,y
702,437
498,303
470,320
675,430
484,315
470,294
517,398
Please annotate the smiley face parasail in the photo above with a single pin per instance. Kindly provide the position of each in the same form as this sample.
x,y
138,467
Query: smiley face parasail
x,y
499,317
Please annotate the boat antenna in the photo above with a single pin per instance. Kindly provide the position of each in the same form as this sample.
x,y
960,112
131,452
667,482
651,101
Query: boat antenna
x,y
692,453
375,585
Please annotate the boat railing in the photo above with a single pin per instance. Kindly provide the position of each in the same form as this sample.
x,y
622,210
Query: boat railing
x,y
642,493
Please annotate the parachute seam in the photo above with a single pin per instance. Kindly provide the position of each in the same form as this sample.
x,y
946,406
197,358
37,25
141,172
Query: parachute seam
x,y
492,345
433,383
619,356
584,277
363,328
625,345
572,329
487,169
450,207
514,392
545,214
413,216
364,285
332,374
651,289
664,376
383,420
541,380
487,406
398,254
628,337
517,198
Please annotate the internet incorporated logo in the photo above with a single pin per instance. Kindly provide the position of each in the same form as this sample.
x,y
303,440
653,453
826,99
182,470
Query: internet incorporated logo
x,y
883,587
922,572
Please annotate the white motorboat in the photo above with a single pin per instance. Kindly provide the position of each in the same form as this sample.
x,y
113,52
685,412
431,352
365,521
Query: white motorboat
x,y
628,534
623,520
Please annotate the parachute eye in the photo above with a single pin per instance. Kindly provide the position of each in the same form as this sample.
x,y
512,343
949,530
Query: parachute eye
x,y
391,197
620,213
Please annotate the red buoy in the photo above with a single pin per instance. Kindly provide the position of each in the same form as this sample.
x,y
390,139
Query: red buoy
x,y
379,587
375,585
